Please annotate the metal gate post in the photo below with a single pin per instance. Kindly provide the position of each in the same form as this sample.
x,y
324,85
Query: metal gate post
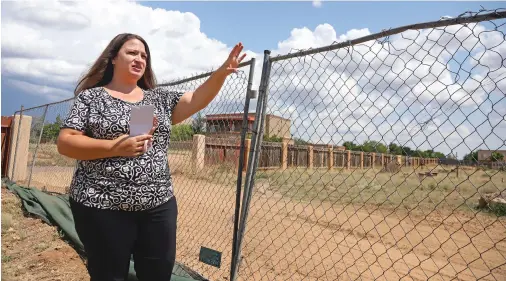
x,y
253,158
241,163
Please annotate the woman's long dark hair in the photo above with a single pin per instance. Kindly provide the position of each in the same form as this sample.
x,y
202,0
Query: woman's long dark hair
x,y
101,72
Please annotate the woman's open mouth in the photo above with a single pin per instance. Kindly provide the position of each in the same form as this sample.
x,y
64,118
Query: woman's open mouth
x,y
137,68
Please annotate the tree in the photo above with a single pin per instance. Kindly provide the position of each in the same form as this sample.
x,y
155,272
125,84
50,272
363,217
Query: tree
x,y
182,132
439,155
374,146
199,124
349,145
406,151
496,157
299,141
471,156
272,138
51,131
418,153
394,149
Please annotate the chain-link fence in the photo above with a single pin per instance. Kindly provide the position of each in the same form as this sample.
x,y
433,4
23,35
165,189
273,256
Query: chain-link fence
x,y
405,97
45,168
381,157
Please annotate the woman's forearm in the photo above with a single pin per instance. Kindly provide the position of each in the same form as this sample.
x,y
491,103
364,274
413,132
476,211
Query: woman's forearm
x,y
82,147
192,102
206,92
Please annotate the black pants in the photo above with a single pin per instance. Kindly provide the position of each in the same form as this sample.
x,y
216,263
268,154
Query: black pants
x,y
111,237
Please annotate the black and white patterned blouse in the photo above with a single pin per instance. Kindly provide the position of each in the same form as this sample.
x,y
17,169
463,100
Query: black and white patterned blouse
x,y
122,183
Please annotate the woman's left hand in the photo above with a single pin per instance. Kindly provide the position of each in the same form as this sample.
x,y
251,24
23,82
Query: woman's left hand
x,y
234,59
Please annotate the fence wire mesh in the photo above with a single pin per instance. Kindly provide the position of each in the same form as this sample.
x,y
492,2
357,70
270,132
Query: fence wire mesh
x,y
38,163
47,169
204,160
354,189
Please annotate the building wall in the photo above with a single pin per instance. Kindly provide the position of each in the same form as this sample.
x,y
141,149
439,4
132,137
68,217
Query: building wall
x,y
277,126
273,125
484,155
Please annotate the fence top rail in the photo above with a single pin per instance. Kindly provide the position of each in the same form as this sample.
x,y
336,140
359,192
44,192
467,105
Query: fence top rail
x,y
43,105
392,31
277,144
203,75
297,146
243,64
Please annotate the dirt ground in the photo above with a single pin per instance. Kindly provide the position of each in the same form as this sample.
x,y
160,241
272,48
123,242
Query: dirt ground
x,y
33,250
290,239
287,240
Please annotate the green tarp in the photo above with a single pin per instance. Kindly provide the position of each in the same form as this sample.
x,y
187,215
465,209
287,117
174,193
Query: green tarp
x,y
54,209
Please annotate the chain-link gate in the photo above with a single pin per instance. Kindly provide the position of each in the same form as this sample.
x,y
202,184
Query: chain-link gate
x,y
207,169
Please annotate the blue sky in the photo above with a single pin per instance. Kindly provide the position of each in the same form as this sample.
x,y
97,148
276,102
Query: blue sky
x,y
47,46
261,25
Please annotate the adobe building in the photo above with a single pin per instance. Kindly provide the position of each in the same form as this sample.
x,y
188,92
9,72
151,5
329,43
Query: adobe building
x,y
229,125
484,155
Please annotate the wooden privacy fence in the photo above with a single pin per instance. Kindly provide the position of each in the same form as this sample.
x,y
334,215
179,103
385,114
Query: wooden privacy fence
x,y
329,157
273,155
6,142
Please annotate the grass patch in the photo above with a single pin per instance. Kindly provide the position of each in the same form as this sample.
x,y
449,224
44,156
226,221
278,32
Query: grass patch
x,y
404,189
7,220
498,210
6,258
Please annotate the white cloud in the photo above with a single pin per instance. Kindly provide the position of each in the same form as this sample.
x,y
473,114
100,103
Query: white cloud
x,y
317,3
60,39
51,93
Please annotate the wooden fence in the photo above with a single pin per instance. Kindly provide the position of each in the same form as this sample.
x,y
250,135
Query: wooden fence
x,y
275,155
6,142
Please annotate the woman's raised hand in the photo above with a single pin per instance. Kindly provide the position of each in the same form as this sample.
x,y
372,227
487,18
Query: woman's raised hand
x,y
234,59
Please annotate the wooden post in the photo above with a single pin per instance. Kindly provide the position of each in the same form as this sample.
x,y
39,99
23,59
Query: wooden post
x,y
17,168
198,152
247,147
373,159
348,162
284,154
310,156
331,156
361,160
382,160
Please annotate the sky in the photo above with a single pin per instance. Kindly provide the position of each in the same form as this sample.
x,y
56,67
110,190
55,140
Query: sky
x,y
383,94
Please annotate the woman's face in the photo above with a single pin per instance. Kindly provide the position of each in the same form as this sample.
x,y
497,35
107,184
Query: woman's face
x,y
131,60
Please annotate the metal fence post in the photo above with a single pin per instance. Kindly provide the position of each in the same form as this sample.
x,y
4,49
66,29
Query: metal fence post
x,y
241,163
253,159
37,146
17,142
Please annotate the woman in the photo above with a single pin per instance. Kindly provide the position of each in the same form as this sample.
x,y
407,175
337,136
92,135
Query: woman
x,y
121,194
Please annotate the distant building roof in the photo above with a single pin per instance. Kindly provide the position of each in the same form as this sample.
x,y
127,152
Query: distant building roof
x,y
237,116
